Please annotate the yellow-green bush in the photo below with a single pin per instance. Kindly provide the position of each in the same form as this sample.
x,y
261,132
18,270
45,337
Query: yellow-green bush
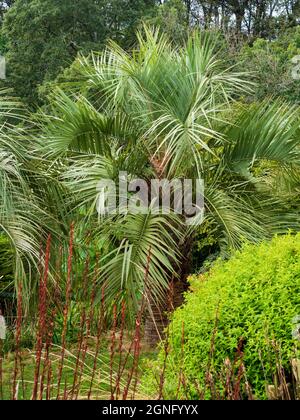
x,y
254,295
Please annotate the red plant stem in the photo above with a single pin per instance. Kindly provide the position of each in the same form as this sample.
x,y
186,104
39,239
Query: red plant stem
x,y
57,296
137,335
49,339
66,310
1,370
136,353
162,376
99,332
138,330
42,318
124,363
89,325
22,368
81,329
230,373
66,390
18,336
49,381
229,370
248,389
237,387
123,316
112,351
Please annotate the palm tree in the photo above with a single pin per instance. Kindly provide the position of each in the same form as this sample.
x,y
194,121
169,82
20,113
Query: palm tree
x,y
165,112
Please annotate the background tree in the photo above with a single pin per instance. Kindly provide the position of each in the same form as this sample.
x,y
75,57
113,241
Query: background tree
x,y
172,17
44,36
255,18
271,65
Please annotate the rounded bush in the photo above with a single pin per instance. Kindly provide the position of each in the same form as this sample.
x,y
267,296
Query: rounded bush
x,y
253,299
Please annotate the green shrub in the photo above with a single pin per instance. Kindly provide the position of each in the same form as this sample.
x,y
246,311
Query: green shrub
x,y
254,295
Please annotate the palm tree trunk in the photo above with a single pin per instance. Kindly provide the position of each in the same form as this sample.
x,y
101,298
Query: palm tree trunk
x,y
158,314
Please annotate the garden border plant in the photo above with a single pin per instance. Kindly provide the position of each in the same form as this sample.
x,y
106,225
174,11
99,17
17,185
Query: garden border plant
x,y
243,307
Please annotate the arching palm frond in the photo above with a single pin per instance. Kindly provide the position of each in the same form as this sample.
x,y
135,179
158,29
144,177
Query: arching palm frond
x,y
76,125
145,260
266,131
175,97
24,218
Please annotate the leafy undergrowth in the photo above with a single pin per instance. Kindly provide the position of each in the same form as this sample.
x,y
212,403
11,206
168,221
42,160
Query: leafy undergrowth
x,y
235,338
237,335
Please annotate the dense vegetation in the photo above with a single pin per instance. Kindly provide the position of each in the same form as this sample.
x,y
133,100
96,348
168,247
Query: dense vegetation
x,y
250,305
37,52
157,90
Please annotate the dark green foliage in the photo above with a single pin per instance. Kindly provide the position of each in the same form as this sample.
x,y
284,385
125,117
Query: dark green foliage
x,y
41,38
6,271
6,260
44,36
271,65
254,296
171,17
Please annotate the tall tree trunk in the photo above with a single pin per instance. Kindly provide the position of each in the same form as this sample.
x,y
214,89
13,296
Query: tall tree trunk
x,y
188,10
157,317
239,16
259,20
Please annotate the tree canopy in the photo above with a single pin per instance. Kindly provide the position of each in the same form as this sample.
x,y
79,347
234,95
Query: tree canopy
x,y
44,36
